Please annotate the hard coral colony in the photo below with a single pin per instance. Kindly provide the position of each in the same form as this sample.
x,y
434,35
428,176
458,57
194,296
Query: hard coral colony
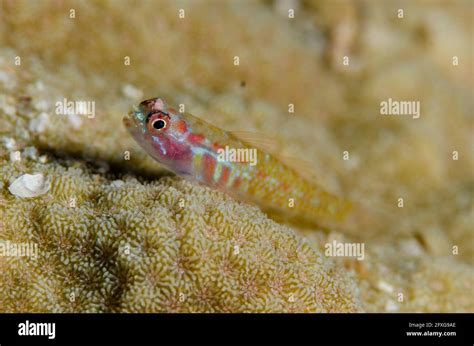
x,y
129,246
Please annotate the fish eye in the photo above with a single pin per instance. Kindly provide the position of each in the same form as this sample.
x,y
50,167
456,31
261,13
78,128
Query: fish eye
x,y
157,121
158,124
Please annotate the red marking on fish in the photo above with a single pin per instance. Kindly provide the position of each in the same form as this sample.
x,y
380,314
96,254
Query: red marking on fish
x,y
216,146
180,126
208,167
224,175
195,138
237,182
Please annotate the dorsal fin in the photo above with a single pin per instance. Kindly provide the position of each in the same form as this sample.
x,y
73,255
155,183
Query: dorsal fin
x,y
271,146
261,141
304,168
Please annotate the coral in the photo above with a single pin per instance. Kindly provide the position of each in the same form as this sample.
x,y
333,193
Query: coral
x,y
405,277
124,245
116,233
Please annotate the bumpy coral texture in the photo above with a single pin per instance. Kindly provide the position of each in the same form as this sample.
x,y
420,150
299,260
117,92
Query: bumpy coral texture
x,y
116,232
167,245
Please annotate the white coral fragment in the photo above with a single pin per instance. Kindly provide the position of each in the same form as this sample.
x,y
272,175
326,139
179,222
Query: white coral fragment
x,y
29,185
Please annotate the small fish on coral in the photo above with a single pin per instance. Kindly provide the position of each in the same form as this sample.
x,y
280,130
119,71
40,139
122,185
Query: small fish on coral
x,y
193,148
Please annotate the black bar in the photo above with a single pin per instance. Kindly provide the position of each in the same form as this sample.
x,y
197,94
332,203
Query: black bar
x,y
274,329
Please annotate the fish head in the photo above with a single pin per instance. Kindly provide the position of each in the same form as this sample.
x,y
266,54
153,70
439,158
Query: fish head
x,y
161,132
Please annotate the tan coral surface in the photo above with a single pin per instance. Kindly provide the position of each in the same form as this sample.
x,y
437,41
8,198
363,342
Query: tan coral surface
x,y
118,234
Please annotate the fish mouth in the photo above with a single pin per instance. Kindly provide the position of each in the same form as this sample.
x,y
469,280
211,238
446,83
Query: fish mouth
x,y
130,120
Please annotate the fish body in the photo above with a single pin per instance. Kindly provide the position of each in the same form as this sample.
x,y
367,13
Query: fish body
x,y
195,149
